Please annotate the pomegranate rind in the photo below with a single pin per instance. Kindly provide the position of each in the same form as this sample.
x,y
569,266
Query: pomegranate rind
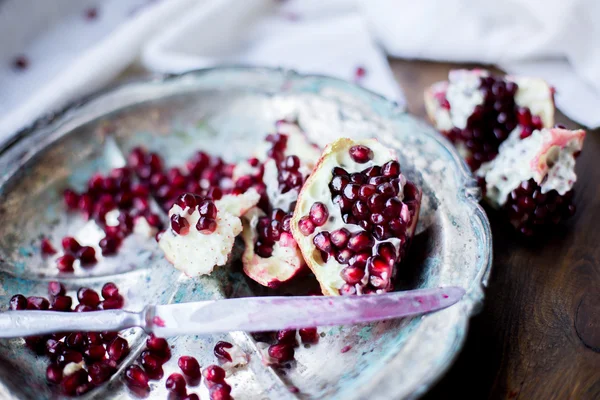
x,y
197,253
316,189
547,157
285,262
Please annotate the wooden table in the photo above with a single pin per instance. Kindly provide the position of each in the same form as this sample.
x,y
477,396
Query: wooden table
x,y
538,336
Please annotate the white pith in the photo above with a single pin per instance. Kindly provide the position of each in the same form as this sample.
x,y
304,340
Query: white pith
x,y
197,253
143,228
547,157
284,263
238,356
316,189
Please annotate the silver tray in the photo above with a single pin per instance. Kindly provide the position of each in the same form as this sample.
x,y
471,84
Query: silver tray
x,y
225,111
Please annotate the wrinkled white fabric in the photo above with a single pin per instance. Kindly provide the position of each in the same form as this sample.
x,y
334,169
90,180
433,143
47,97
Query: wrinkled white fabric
x,y
70,54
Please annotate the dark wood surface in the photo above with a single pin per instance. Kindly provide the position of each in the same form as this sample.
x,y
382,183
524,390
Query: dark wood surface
x,y
538,336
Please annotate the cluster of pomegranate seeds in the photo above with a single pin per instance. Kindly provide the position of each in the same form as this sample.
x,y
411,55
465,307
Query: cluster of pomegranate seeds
x,y
215,381
100,353
151,362
530,210
269,230
491,122
289,176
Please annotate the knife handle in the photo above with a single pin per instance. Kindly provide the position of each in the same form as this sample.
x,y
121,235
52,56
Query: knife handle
x,y
33,323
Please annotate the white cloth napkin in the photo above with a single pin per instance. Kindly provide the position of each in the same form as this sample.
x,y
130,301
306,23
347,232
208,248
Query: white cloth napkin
x,y
73,47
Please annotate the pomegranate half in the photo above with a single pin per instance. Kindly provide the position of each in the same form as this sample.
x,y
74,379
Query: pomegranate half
x,y
478,111
286,158
355,217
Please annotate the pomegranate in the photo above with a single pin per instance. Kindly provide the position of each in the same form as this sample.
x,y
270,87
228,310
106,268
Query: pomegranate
x,y
355,217
532,178
202,231
230,355
478,111
189,366
272,255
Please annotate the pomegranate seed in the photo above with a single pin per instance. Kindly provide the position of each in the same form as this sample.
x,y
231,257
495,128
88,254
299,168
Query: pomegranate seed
x,y
88,297
220,391
75,340
322,241
94,352
18,302
214,373
70,383
83,389
221,353
152,365
191,396
287,336
179,225
309,335
100,372
190,367
54,348
281,352
118,349
87,256
108,336
62,303
93,338
208,209
83,308
136,377
112,303
318,214
390,169
69,356
46,248
360,241
306,226
37,303
361,154
352,275
176,384
54,373
65,263
56,289
158,345
206,225
109,245
348,290
109,290
71,245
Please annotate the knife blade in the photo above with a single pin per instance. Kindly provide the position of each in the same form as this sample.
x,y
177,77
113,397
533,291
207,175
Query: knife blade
x,y
252,314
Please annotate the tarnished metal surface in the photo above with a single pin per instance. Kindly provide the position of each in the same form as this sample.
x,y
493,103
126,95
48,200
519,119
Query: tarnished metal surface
x,y
226,111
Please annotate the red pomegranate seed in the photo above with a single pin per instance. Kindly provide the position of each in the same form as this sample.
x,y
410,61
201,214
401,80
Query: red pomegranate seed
x,y
54,348
136,377
83,389
191,396
176,384
348,290
62,303
83,308
108,336
18,302
71,199
65,263
220,391
109,245
352,275
37,303
322,241
190,367
152,365
94,352
281,352
221,353
306,226
112,303
309,335
360,241
109,290
207,209
70,383
100,372
71,245
318,214
158,345
46,248
88,297
287,336
206,225
56,289
214,373
93,338
69,356
179,225
118,349
361,154
87,256
54,373
75,340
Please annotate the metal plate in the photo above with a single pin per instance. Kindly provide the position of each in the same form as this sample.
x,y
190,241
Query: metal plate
x,y
226,111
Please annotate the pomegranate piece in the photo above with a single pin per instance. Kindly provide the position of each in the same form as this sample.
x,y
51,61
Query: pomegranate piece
x,y
136,377
47,248
189,366
109,290
18,302
176,384
478,111
371,213
532,179
205,245
309,335
118,349
95,352
214,373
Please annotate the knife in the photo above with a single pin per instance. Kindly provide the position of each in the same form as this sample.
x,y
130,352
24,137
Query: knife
x,y
252,314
